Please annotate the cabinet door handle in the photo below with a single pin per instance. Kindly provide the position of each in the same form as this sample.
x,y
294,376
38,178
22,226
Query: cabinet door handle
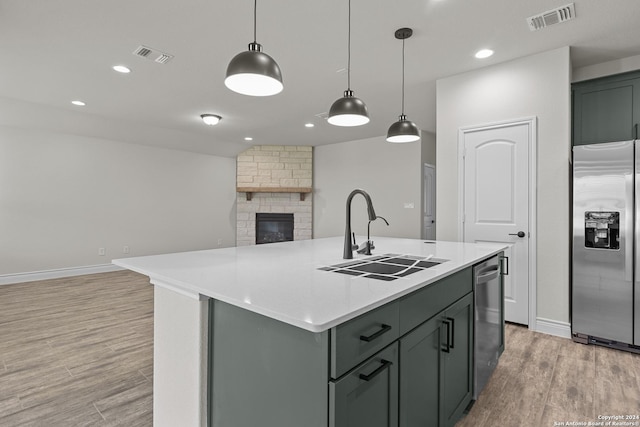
x,y
368,338
447,348
453,331
384,365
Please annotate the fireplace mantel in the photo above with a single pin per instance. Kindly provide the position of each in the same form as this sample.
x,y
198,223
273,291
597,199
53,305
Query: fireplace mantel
x,y
249,190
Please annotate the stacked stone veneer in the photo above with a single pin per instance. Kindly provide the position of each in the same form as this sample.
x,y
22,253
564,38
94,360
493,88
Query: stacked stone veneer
x,y
274,166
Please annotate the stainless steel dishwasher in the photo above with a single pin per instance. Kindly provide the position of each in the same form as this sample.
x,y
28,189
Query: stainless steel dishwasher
x,y
489,320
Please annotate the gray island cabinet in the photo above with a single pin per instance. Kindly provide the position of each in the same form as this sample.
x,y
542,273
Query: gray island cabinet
x,y
407,362
266,336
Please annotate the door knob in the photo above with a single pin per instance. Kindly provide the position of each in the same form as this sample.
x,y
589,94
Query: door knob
x,y
519,234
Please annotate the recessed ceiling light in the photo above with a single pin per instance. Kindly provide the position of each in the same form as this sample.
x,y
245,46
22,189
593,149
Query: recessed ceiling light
x,y
78,103
484,53
309,125
210,119
248,138
121,69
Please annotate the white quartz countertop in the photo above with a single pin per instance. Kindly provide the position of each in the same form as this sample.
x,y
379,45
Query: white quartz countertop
x,y
282,280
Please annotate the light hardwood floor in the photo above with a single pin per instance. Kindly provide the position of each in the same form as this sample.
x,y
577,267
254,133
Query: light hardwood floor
x,y
542,380
79,352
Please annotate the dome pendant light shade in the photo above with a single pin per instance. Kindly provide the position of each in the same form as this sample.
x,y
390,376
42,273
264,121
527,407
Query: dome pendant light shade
x,y
403,130
253,72
348,111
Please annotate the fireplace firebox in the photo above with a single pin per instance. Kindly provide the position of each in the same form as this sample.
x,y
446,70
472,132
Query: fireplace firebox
x,y
274,227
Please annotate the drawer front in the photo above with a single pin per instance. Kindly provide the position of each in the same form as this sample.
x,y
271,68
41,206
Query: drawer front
x,y
362,337
368,395
425,303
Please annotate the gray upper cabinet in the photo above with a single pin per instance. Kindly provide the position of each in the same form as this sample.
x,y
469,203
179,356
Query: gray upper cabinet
x,y
606,110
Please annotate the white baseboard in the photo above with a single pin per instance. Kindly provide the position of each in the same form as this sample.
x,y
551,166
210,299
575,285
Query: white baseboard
x,y
8,279
553,327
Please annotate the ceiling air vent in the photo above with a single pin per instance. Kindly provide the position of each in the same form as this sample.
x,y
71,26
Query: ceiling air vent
x,y
153,54
551,17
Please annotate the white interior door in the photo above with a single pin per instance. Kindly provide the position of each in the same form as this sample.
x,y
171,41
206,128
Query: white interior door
x,y
496,203
429,208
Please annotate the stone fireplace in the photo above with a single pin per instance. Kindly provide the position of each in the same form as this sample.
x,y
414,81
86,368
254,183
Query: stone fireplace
x,y
274,179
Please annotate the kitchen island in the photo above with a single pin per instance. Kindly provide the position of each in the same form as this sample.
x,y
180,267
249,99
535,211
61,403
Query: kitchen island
x,y
277,335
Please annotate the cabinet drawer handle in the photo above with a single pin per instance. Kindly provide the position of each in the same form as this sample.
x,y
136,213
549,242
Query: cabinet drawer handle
x,y
369,338
385,364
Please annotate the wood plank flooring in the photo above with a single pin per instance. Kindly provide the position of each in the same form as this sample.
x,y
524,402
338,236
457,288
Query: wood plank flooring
x,y
79,352
542,380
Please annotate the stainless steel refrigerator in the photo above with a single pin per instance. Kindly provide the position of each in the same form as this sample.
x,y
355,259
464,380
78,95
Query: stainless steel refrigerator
x,y
605,292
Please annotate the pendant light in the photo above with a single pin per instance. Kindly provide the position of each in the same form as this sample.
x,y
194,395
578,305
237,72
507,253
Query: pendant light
x,y
254,72
403,130
348,110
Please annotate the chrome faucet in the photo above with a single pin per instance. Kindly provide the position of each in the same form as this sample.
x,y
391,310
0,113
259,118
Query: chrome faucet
x,y
348,246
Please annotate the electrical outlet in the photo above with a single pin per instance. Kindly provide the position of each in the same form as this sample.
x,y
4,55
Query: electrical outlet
x,y
219,242
125,249
102,251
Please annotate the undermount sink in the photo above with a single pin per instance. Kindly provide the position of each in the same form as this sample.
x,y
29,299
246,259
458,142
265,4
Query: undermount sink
x,y
385,267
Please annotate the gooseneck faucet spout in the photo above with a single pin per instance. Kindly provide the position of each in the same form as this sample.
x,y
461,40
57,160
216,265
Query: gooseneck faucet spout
x,y
348,246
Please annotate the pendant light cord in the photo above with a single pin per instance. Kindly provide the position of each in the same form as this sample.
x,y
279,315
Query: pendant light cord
x,y
403,77
255,7
349,51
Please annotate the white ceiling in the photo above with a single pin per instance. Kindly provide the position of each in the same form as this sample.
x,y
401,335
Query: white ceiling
x,y
55,51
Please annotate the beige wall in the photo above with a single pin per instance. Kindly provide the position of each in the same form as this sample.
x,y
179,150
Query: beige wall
x,y
539,86
390,173
64,196
429,148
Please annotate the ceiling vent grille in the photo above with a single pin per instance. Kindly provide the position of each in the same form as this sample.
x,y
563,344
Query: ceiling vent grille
x,y
152,54
552,17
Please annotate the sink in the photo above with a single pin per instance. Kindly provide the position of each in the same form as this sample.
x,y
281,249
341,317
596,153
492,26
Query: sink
x,y
386,267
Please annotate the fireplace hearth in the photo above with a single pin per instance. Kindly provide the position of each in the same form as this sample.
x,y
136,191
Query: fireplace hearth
x,y
274,227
